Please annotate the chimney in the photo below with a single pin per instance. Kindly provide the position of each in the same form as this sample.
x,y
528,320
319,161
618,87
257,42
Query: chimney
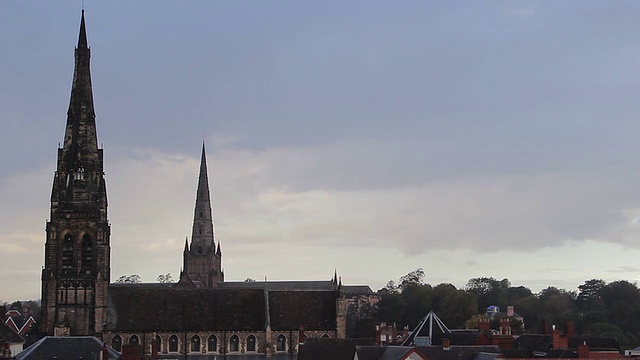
x,y
556,339
378,337
484,324
544,327
105,352
154,349
510,311
301,336
445,344
569,328
505,327
583,351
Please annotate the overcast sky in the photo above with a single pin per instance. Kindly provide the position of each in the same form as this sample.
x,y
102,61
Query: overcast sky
x,y
482,138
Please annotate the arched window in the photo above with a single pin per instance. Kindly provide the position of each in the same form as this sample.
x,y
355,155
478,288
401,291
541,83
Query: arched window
x,y
234,343
212,344
67,254
87,254
325,336
199,250
116,343
134,340
195,343
251,343
173,343
281,343
158,343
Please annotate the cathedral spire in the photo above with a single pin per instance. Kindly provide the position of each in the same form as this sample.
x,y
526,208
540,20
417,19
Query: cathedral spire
x,y
202,235
80,146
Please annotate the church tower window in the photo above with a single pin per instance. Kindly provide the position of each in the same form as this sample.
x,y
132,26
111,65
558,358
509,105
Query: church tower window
x,y
87,254
67,254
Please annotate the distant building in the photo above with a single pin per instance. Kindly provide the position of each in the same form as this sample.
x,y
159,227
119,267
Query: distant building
x,y
201,314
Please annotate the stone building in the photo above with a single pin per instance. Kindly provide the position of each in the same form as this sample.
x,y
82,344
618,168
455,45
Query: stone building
x,y
201,314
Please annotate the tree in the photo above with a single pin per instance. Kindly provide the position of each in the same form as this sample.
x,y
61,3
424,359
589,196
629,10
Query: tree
x,y
129,279
414,278
164,279
489,291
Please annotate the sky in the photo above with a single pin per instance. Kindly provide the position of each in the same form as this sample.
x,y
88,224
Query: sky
x,y
467,138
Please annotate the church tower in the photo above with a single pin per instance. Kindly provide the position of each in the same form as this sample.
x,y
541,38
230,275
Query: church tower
x,y
76,272
202,259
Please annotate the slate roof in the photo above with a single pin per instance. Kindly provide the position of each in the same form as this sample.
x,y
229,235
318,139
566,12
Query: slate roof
x,y
458,352
9,335
66,347
313,309
143,307
349,290
322,349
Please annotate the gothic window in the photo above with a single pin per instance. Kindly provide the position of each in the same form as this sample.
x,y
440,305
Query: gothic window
x,y
281,343
67,254
234,343
173,343
116,343
200,214
195,343
134,340
200,250
251,343
200,230
212,343
158,343
87,254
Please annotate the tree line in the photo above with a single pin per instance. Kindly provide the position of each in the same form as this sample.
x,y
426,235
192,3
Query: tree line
x,y
596,307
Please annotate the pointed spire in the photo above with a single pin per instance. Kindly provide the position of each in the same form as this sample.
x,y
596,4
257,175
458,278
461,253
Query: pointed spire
x,y
186,243
218,251
80,147
203,231
82,38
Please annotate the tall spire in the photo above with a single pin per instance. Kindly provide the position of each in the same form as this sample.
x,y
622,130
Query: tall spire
x,y
202,234
80,139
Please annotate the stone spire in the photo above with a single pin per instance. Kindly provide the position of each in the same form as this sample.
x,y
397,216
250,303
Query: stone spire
x,y
202,234
202,263
80,149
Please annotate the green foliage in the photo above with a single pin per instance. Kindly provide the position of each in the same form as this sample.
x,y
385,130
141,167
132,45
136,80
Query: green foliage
x,y
129,279
596,307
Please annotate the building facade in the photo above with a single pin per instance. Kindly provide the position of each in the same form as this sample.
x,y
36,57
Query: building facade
x,y
201,313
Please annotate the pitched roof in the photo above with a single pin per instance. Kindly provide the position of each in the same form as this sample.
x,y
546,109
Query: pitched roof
x,y
313,309
148,307
66,347
9,335
321,349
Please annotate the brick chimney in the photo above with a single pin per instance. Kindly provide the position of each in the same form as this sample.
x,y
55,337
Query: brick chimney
x,y
559,342
484,324
569,328
583,351
378,337
445,344
544,327
510,311
505,327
